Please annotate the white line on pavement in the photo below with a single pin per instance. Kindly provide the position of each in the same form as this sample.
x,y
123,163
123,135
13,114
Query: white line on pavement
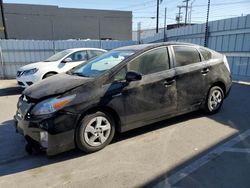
x,y
241,150
241,82
184,172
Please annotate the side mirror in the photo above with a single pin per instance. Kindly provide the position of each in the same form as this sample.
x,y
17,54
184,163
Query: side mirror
x,y
133,76
68,59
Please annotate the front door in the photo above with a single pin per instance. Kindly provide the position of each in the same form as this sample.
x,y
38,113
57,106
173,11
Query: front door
x,y
154,96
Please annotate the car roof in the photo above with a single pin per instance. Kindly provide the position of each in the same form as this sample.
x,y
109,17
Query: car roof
x,y
140,47
76,49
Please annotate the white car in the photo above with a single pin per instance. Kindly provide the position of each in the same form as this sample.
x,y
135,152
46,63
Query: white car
x,y
58,63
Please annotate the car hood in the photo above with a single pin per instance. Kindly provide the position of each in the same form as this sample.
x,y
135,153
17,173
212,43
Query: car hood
x,y
55,85
35,65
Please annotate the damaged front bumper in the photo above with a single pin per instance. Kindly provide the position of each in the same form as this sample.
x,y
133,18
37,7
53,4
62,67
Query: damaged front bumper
x,y
52,133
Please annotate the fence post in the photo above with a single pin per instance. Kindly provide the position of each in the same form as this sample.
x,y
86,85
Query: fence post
x,y
100,41
54,46
207,28
2,63
206,36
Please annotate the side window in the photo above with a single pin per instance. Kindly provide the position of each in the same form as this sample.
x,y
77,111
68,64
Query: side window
x,y
185,55
121,74
206,54
94,53
151,62
79,56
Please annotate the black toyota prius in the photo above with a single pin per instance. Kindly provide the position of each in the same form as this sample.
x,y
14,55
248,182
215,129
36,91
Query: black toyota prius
x,y
123,89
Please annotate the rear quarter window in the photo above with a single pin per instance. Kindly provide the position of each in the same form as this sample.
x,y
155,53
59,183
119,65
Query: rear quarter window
x,y
206,54
185,55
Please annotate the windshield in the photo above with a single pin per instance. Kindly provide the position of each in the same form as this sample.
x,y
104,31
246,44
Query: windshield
x,y
58,55
101,64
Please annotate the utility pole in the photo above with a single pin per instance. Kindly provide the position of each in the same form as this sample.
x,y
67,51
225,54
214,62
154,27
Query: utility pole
x,y
3,20
157,16
186,1
165,21
190,12
206,29
178,18
139,32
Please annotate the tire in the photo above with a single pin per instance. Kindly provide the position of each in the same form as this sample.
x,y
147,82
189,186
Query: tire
x,y
214,100
48,75
29,149
95,132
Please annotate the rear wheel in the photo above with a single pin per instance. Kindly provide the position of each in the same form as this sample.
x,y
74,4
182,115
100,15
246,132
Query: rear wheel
x,y
95,132
214,100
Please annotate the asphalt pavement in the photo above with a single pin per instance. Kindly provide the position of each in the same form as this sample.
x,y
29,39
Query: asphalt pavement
x,y
192,150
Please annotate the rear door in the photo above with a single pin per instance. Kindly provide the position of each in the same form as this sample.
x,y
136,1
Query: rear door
x,y
190,76
213,66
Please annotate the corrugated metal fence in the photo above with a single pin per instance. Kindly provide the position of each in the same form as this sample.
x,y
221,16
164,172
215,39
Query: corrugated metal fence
x,y
16,53
228,36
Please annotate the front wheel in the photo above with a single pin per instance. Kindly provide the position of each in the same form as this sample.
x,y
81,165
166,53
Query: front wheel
x,y
49,75
214,100
95,132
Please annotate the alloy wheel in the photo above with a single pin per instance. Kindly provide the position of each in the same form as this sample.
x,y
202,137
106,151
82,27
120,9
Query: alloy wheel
x,y
97,131
215,100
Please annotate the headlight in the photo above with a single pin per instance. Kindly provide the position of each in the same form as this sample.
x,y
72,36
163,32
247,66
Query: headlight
x,y
51,105
30,71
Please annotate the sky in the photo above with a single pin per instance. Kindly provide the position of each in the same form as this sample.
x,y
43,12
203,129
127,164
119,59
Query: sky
x,y
144,11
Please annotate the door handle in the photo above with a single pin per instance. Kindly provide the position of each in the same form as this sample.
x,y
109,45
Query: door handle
x,y
117,95
205,70
169,82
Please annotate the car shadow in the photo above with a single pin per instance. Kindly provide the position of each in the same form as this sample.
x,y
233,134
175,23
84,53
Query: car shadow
x,y
235,114
14,159
156,126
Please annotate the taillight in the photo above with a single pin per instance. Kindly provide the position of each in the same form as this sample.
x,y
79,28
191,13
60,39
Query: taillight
x,y
226,63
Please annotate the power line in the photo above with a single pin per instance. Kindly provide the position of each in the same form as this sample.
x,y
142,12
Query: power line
x,y
219,16
217,12
223,4
198,15
145,7
136,5
152,17
145,12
